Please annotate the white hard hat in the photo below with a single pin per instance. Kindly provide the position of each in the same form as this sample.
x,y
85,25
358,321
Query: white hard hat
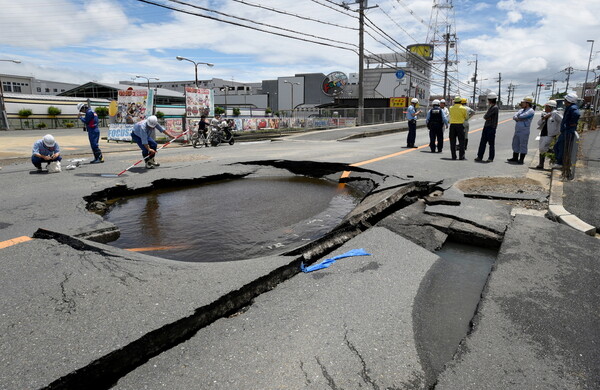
x,y
492,95
49,140
551,103
443,101
414,100
527,99
80,106
436,102
571,97
152,121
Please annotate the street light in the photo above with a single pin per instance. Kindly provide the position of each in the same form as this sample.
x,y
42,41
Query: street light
x,y
291,83
179,58
147,79
588,69
2,107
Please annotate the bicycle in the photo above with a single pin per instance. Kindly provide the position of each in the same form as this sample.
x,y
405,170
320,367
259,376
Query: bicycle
x,y
212,138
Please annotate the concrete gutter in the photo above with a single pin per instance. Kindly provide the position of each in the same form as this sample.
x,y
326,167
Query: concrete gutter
x,y
557,210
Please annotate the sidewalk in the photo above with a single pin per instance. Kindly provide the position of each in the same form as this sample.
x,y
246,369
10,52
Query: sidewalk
x,y
581,196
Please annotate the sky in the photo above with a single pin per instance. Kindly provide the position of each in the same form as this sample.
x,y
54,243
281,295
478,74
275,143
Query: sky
x,y
110,40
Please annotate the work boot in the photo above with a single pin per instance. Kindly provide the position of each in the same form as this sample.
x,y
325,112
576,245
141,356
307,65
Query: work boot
x,y
521,158
153,162
541,164
97,158
149,165
514,158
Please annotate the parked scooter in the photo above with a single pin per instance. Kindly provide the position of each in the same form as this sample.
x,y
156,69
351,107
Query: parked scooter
x,y
223,132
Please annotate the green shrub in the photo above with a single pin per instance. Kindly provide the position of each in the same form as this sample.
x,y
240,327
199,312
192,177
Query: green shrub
x,y
54,111
102,112
25,112
41,125
236,111
160,114
219,110
68,125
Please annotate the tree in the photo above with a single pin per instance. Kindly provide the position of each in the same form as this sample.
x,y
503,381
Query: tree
x,y
53,112
102,112
25,112
160,114
236,111
219,110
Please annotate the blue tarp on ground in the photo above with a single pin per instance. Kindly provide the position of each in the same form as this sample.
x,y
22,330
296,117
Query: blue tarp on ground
x,y
327,262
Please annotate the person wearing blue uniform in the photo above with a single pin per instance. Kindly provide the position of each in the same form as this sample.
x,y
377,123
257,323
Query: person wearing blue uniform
x,y
436,122
411,117
142,135
568,127
45,150
523,120
90,120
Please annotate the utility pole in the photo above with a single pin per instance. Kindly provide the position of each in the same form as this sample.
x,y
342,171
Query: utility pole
x,y
499,89
447,36
569,71
553,83
510,88
475,83
361,62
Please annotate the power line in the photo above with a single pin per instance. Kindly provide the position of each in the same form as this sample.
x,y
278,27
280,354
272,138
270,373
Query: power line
x,y
255,22
335,9
248,27
397,24
294,15
410,11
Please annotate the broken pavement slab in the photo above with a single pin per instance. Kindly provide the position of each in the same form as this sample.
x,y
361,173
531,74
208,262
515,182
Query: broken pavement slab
x,y
537,325
347,326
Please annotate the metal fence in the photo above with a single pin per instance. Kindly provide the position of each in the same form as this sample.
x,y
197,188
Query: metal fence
x,y
372,116
48,123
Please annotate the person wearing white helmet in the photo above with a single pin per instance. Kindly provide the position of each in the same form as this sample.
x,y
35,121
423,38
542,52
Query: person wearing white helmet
x,y
488,135
45,150
458,116
411,117
549,126
436,121
568,127
446,111
142,135
520,139
90,120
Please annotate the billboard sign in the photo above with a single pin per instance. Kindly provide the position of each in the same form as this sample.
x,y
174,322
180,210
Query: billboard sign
x,y
398,102
334,83
422,49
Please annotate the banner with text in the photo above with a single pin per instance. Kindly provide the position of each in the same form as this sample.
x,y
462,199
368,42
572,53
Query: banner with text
x,y
132,106
119,132
198,102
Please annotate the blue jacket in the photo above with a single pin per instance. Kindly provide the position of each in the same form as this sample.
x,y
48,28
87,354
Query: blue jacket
x,y
40,148
90,119
524,118
142,130
411,113
570,119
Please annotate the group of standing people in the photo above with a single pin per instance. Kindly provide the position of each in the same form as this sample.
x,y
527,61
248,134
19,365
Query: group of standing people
x,y
456,118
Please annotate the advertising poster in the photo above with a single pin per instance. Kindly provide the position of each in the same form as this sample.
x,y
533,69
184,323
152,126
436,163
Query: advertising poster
x,y
398,101
198,102
131,106
119,132
174,126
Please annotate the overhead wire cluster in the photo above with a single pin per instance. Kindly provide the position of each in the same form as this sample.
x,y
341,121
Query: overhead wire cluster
x,y
376,33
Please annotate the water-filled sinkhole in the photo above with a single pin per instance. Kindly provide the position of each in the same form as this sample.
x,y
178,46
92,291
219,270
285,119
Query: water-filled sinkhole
x,y
231,219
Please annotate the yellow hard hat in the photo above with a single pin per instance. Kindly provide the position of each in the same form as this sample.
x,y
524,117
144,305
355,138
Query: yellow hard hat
x,y
457,99
463,100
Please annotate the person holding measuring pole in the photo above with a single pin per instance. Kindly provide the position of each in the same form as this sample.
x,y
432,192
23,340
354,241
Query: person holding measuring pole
x,y
90,119
142,135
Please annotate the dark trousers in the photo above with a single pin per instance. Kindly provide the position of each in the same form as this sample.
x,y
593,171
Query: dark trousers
x,y
138,140
560,151
488,136
436,133
412,133
94,137
457,131
37,161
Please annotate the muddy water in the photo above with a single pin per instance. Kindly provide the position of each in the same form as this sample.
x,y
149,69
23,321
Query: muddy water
x,y
232,219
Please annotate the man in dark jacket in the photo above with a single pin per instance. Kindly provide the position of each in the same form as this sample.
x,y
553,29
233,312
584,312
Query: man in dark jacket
x,y
568,127
488,135
436,121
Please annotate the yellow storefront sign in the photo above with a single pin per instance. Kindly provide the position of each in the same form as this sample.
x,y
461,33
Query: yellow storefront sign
x,y
398,102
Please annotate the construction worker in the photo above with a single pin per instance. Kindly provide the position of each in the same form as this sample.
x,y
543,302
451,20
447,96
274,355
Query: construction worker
x,y
142,135
90,120
45,150
549,125
523,120
436,122
568,127
446,111
411,117
488,135
470,112
458,116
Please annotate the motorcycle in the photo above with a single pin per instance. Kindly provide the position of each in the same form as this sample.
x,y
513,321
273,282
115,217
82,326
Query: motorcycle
x,y
223,132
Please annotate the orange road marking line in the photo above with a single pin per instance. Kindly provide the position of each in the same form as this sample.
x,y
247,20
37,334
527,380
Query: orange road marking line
x,y
346,174
14,241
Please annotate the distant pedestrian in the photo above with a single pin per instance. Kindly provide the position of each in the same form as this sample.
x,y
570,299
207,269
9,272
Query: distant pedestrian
x,y
520,140
549,125
470,113
444,108
568,127
488,135
45,150
436,121
90,120
411,116
458,116
142,135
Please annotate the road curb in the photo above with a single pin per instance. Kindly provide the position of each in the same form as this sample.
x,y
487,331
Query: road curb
x,y
557,210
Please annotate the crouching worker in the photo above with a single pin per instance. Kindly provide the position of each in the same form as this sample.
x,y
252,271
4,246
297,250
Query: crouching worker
x,y
141,135
45,150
